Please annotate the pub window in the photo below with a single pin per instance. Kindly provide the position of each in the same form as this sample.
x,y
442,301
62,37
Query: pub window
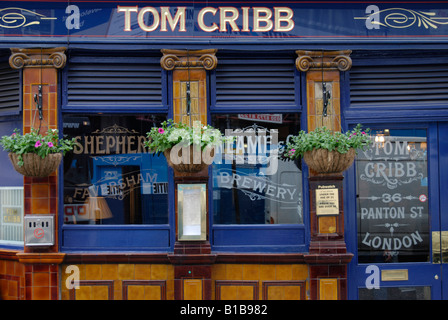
x,y
11,214
392,198
110,178
257,200
252,182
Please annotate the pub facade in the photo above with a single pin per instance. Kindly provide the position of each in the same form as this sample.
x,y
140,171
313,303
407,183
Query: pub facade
x,y
116,222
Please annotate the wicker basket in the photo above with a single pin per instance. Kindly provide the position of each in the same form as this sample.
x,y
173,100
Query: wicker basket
x,y
34,165
324,161
189,167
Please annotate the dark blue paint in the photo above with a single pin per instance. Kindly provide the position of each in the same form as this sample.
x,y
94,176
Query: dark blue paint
x,y
313,19
422,273
115,238
8,176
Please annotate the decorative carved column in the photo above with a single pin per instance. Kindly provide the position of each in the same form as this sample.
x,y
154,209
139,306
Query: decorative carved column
x,y
327,256
40,75
192,260
189,82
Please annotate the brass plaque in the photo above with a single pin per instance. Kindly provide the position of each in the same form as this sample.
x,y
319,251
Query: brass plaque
x,y
394,275
327,200
439,247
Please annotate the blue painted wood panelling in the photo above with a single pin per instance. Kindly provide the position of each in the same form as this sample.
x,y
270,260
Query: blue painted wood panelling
x,y
115,238
259,238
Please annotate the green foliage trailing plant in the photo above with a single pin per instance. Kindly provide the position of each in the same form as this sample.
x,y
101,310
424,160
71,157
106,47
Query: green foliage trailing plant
x,y
324,138
170,134
34,142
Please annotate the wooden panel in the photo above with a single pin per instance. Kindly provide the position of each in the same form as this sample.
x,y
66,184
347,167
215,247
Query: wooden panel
x,y
327,224
144,290
284,290
328,289
198,96
236,290
315,100
192,289
93,290
10,287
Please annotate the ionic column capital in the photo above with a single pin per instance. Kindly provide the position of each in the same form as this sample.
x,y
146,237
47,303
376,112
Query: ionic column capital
x,y
38,58
186,59
327,60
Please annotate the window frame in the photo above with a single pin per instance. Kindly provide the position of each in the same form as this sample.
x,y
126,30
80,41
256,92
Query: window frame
x,y
258,238
115,238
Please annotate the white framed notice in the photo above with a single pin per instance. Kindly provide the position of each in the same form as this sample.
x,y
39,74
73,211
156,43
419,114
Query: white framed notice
x,y
327,201
191,216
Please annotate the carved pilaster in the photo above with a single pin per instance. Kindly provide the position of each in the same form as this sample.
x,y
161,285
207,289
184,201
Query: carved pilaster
x,y
41,58
186,59
318,60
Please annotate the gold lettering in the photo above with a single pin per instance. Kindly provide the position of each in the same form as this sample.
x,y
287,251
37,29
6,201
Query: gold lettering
x,y
110,143
99,143
179,17
131,144
121,141
201,19
89,142
141,144
141,19
245,19
262,15
283,14
78,148
127,15
224,19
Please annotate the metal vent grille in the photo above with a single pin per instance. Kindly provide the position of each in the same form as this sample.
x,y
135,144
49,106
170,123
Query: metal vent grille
x,y
9,89
114,81
248,81
424,85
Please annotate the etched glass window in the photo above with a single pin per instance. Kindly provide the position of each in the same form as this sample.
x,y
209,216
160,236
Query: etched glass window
x,y
252,182
110,177
392,205
11,215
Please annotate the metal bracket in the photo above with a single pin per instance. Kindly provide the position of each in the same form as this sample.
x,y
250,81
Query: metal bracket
x,y
326,96
38,101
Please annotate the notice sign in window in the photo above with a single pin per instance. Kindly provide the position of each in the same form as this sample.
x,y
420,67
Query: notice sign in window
x,y
327,200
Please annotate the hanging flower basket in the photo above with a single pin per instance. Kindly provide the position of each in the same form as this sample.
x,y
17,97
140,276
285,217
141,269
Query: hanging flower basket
x,y
34,165
35,155
186,164
325,151
200,138
325,161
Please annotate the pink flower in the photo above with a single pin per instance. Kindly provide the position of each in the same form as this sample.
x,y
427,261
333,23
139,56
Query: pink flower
x,y
363,132
161,130
50,144
38,144
14,134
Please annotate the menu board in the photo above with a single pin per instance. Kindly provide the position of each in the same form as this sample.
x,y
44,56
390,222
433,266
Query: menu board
x,y
191,217
392,206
